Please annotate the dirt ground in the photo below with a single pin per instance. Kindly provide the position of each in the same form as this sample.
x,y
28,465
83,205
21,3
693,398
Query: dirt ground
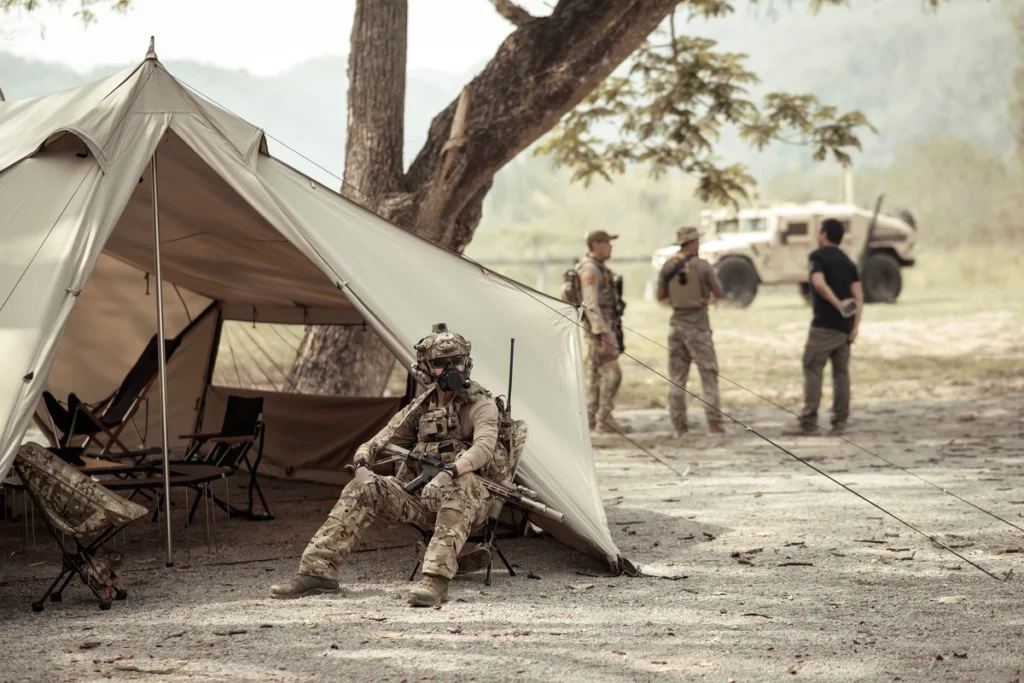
x,y
777,572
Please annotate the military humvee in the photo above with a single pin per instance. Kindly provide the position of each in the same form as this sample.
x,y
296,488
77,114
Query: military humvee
x,y
770,245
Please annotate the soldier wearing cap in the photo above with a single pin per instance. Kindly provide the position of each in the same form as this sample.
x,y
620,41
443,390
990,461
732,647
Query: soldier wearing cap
x,y
456,420
688,283
600,318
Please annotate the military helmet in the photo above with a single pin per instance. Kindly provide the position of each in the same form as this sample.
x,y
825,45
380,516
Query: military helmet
x,y
442,343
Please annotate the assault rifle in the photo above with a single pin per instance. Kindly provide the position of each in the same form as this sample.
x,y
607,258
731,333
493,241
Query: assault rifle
x,y
620,308
430,465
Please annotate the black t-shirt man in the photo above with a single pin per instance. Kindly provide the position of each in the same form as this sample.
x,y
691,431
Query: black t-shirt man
x,y
840,274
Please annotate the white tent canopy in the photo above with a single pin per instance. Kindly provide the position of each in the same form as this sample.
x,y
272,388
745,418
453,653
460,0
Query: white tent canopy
x,y
265,243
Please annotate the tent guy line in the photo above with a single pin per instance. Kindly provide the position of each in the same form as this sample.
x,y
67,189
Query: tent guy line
x,y
826,432
520,288
792,455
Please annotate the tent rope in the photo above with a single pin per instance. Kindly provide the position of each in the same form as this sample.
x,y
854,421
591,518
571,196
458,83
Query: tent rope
x,y
943,489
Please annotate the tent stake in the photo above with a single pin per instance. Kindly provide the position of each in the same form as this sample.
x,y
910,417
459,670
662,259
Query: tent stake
x,y
162,357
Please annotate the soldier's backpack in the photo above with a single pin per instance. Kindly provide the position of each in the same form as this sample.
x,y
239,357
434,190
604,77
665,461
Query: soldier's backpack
x,y
572,291
511,439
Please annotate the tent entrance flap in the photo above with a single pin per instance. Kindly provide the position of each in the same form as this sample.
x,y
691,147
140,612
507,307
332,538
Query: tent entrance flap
x,y
214,244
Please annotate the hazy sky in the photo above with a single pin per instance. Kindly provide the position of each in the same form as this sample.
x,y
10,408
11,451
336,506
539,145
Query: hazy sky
x,y
258,35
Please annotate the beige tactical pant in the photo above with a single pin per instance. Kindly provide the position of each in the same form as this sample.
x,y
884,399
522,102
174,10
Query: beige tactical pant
x,y
604,377
689,341
822,346
464,506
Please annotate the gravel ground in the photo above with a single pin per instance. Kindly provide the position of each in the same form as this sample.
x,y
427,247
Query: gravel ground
x,y
778,573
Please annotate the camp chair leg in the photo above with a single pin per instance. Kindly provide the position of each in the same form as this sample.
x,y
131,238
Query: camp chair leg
x,y
255,484
200,492
415,569
511,572
246,514
112,436
37,606
156,510
58,594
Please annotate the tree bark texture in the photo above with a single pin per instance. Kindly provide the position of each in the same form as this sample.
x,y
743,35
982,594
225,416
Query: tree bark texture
x,y
349,361
540,72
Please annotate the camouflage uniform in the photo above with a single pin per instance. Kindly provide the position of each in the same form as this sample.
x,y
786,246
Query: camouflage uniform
x,y
604,376
690,338
467,428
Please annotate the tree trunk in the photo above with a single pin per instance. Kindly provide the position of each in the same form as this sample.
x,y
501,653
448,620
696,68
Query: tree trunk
x,y
541,71
349,361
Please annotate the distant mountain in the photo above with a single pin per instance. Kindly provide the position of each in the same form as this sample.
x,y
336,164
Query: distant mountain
x,y
916,73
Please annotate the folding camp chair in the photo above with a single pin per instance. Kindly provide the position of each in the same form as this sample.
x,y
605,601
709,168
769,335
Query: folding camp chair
x,y
74,505
242,427
106,419
484,538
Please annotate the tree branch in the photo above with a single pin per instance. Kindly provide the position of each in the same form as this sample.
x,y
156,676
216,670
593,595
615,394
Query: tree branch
x,y
513,12
541,71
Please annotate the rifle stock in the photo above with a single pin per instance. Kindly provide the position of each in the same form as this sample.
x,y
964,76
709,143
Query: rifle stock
x,y
620,309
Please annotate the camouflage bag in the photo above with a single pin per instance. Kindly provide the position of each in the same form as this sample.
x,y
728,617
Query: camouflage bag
x,y
572,291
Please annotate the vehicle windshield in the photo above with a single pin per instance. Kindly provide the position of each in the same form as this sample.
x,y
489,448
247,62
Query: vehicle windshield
x,y
741,225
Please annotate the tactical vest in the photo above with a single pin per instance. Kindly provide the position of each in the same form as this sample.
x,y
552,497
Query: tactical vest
x,y
685,290
439,429
607,297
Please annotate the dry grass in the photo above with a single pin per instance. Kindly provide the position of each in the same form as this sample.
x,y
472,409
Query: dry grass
x,y
955,326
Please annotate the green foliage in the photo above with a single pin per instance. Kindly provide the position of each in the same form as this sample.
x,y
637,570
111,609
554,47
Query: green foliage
x,y
670,105
84,11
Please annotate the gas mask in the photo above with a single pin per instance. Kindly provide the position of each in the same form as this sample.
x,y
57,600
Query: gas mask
x,y
450,378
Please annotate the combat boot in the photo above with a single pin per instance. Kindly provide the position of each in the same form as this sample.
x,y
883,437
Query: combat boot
x,y
610,425
302,586
431,590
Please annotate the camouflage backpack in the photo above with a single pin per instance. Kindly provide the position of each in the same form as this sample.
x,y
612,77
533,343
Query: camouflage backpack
x,y
511,439
572,291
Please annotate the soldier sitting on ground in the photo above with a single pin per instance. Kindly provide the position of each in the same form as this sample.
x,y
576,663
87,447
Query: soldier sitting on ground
x,y
456,420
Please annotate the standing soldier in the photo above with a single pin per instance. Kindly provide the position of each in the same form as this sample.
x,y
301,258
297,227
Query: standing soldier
x,y
689,282
601,301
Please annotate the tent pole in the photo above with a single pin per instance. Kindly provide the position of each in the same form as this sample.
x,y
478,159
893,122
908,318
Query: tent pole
x,y
162,356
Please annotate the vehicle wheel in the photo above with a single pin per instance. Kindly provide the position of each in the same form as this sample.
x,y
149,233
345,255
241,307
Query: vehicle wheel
x,y
882,279
739,281
805,292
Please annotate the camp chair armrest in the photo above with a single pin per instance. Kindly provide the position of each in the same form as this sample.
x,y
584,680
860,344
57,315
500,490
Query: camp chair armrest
x,y
201,436
233,439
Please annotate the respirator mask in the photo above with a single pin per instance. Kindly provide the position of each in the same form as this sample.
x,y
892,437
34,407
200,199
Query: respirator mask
x,y
450,378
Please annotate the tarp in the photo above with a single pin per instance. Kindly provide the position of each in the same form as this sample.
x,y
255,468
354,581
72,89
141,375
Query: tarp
x,y
243,229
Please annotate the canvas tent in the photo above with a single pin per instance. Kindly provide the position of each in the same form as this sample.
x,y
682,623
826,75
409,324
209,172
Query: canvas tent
x,y
242,237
